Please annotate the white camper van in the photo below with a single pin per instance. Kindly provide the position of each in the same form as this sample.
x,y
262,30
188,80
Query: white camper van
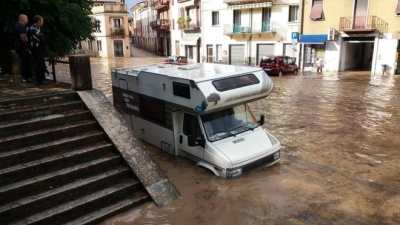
x,y
199,111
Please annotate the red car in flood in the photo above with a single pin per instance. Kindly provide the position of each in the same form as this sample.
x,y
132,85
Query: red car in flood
x,y
278,65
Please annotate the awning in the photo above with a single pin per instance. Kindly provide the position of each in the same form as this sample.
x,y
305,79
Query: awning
x,y
316,10
398,8
251,5
186,4
189,40
313,38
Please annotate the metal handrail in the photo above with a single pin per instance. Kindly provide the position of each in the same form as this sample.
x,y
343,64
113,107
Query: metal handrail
x,y
363,23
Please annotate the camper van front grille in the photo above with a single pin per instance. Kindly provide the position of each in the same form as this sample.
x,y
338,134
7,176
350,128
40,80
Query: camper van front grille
x,y
259,163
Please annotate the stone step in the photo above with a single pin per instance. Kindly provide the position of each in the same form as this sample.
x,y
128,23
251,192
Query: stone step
x,y
54,162
35,111
111,210
33,152
12,128
65,212
12,191
37,99
46,134
44,200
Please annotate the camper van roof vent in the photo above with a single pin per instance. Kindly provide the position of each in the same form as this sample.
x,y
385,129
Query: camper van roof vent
x,y
189,67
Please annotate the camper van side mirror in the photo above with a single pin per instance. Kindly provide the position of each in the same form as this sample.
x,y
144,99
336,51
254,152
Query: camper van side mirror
x,y
261,121
193,141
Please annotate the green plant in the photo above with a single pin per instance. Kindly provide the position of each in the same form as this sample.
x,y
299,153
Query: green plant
x,y
119,31
188,19
180,21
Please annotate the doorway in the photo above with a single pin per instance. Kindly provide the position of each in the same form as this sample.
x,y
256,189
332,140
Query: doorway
x,y
118,48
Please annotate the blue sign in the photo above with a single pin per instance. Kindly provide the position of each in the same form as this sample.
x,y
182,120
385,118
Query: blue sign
x,y
295,35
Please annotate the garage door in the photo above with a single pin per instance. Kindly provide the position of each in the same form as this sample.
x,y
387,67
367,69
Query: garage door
x,y
288,50
236,55
264,49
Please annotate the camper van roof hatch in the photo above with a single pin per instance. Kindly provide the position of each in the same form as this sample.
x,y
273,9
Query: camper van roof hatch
x,y
189,67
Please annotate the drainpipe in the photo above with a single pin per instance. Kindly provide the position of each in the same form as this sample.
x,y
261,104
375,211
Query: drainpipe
x,y
249,41
301,33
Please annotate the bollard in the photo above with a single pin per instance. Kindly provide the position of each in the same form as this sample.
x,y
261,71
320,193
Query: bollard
x,y
81,75
15,63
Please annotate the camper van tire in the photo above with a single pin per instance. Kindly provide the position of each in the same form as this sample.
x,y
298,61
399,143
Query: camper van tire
x,y
208,167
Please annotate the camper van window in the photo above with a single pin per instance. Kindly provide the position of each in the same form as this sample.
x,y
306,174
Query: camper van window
x,y
191,125
235,82
228,122
152,109
182,90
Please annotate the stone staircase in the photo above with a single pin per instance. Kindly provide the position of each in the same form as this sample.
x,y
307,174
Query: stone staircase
x,y
57,165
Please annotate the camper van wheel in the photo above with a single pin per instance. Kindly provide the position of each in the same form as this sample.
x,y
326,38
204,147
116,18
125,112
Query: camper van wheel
x,y
280,73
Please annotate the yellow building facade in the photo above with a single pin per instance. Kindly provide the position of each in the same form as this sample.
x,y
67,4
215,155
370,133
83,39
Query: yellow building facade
x,y
350,34
112,36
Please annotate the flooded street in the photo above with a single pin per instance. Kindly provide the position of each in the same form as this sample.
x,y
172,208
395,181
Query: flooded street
x,y
340,157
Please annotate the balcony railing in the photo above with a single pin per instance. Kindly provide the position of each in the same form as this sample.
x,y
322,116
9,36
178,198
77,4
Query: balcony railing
x,y
158,4
117,32
160,24
264,27
190,26
108,7
363,23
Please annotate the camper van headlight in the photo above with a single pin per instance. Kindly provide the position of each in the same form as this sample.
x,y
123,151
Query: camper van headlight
x,y
277,155
233,172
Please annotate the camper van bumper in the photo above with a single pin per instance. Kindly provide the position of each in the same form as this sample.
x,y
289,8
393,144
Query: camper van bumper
x,y
266,161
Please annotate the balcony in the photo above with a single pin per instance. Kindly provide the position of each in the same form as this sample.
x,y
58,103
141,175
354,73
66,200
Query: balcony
x,y
243,29
158,4
117,32
189,26
109,8
160,24
363,24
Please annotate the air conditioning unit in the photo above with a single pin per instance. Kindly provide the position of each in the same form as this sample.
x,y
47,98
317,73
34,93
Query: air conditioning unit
x,y
331,34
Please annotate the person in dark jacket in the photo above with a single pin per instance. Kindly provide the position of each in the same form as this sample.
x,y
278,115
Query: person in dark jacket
x,y
37,45
21,47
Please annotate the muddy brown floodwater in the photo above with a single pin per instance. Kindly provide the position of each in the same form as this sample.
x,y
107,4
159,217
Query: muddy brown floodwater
x,y
340,160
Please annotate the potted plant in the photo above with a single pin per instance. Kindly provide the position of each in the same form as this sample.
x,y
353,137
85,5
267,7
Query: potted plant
x,y
180,22
188,19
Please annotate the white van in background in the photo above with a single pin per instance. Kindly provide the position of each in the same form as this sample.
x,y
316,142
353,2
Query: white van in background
x,y
199,111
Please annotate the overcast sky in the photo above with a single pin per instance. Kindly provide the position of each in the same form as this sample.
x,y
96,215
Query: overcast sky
x,y
131,3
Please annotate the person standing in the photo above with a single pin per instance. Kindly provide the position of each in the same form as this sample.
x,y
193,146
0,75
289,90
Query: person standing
x,y
318,62
21,47
36,44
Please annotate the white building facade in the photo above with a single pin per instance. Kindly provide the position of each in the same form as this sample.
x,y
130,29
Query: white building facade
x,y
241,32
143,36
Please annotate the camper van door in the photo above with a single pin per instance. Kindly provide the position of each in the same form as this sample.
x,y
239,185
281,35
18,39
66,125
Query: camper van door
x,y
190,126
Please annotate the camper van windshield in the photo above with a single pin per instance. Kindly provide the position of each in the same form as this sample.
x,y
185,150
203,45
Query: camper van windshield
x,y
228,122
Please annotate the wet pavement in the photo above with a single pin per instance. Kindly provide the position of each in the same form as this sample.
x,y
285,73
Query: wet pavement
x,y
340,157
